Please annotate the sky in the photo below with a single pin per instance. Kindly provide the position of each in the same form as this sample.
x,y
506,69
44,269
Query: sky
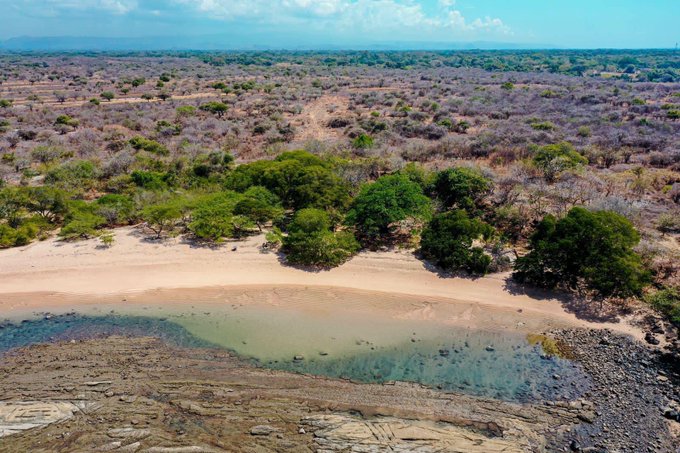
x,y
290,23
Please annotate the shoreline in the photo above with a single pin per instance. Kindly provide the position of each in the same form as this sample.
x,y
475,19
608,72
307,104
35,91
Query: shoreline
x,y
54,273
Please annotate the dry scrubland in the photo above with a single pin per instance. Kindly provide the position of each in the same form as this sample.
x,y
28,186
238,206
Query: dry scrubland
x,y
71,121
175,148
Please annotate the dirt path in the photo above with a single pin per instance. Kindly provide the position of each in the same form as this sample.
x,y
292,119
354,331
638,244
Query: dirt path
x,y
312,124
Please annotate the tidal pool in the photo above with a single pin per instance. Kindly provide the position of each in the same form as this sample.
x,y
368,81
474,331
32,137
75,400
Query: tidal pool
x,y
498,364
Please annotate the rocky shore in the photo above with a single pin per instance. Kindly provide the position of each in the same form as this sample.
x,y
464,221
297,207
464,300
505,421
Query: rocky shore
x,y
635,394
141,395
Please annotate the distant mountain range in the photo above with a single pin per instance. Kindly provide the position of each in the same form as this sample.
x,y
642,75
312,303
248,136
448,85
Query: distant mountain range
x,y
72,43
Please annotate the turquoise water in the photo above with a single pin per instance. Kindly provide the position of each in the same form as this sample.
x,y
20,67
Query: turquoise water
x,y
492,364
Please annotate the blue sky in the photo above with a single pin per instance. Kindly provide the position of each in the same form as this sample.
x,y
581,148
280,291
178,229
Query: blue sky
x,y
563,23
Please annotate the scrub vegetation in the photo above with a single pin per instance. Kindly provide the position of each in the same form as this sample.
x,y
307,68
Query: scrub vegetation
x,y
562,166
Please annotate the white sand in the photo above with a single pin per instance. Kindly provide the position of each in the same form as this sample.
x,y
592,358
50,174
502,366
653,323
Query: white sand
x,y
83,270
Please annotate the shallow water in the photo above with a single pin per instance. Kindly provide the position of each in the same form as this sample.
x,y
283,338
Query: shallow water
x,y
495,364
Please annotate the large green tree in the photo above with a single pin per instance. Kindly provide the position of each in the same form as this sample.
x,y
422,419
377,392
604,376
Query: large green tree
x,y
82,223
162,217
556,158
591,249
216,108
462,188
320,248
214,219
448,241
380,205
300,179
310,241
47,202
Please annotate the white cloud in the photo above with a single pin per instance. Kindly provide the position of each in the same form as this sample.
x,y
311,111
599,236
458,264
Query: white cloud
x,y
53,7
316,7
374,19
359,15
118,6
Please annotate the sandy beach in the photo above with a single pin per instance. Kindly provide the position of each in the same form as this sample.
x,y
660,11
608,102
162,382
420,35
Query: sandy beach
x,y
53,273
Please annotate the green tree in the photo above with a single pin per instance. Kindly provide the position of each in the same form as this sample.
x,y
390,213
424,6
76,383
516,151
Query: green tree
x,y
151,180
258,210
380,205
300,179
107,239
448,242
460,187
310,220
108,95
16,237
320,248
81,223
363,141
214,218
311,243
216,108
150,146
418,174
185,111
668,223
260,193
554,159
66,120
13,202
116,209
591,249
667,301
74,176
47,202
162,217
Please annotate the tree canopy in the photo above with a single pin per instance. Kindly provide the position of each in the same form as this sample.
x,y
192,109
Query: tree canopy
x,y
216,108
311,243
214,219
589,248
448,242
554,159
300,179
460,187
380,205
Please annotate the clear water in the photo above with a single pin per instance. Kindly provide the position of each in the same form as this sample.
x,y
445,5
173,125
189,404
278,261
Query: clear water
x,y
502,365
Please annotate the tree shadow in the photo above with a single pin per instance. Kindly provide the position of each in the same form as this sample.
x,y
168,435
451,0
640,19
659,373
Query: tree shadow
x,y
281,258
143,234
185,238
442,273
196,243
581,307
